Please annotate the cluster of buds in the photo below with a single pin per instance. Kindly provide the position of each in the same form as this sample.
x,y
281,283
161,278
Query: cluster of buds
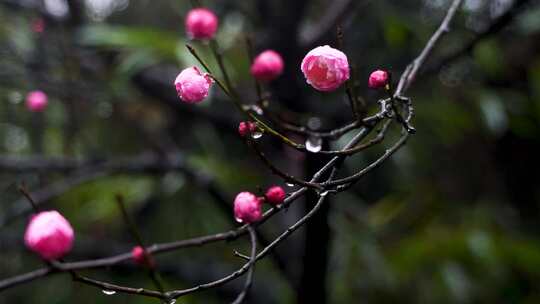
x,y
248,207
325,68
246,127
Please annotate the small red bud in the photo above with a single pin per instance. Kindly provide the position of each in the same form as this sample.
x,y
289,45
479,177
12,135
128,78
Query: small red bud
x,y
246,127
140,257
275,195
378,79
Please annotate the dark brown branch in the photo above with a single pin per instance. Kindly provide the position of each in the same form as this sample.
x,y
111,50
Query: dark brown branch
x,y
496,26
251,265
108,287
287,177
409,75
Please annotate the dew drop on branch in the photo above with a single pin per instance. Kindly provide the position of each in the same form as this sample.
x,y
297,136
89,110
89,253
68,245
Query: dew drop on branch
x,y
108,292
314,144
257,134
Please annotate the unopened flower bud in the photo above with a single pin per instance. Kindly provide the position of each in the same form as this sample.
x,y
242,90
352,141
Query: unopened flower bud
x,y
201,23
267,66
246,127
49,234
275,195
192,86
378,79
247,208
140,257
36,101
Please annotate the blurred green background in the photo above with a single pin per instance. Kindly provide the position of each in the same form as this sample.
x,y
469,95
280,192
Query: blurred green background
x,y
453,217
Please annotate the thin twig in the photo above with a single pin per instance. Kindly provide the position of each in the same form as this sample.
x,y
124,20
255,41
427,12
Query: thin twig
x,y
251,265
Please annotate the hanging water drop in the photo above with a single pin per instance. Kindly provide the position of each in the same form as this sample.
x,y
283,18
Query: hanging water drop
x,y
108,292
256,134
172,301
239,220
314,144
323,194
289,184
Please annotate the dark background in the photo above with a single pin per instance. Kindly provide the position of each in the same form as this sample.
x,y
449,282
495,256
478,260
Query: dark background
x,y
451,218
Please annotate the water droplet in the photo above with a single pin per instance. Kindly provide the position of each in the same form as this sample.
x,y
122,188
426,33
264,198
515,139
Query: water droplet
x,y
257,134
314,144
172,301
239,220
323,194
257,109
108,292
289,184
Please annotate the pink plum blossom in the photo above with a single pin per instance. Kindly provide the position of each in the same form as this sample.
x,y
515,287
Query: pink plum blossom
x,y
36,101
267,66
192,86
247,208
275,195
49,234
201,23
246,127
378,79
325,68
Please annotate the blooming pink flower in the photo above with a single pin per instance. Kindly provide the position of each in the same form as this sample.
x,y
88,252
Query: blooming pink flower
x,y
192,86
378,79
247,208
138,255
325,68
267,66
246,127
275,195
201,23
49,234
36,101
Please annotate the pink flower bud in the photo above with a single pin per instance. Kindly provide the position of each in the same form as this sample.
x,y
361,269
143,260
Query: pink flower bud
x,y
201,23
247,208
325,68
38,25
378,79
192,86
246,127
140,258
49,234
275,195
267,66
36,101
